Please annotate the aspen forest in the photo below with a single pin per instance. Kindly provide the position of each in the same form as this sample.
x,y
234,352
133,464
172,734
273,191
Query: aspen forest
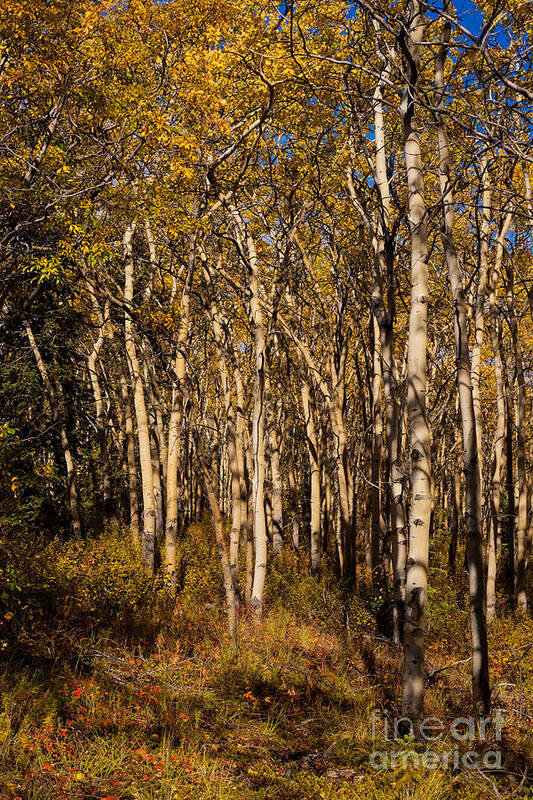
x,y
266,400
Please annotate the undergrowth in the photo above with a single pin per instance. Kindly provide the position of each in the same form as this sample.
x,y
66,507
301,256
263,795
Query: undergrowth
x,y
110,689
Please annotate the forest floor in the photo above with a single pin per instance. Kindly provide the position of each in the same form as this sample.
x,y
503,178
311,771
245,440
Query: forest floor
x,y
110,691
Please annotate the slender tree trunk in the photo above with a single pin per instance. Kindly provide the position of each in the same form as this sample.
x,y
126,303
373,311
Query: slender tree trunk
x,y
236,499
247,245
344,482
156,473
246,528
130,455
511,508
384,265
421,500
58,415
250,553
295,511
156,461
159,425
268,495
258,417
92,365
314,469
231,608
327,525
258,439
455,492
478,626
149,516
233,440
378,523
479,314
174,450
276,494
499,439
521,448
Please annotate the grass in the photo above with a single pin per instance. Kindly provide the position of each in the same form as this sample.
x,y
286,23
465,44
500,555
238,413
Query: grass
x,y
127,696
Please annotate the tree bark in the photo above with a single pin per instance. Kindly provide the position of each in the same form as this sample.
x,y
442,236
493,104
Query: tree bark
x,y
234,441
421,500
174,450
143,434
521,560
378,528
479,313
455,492
511,508
384,266
258,436
130,455
92,366
231,609
314,471
274,455
499,433
478,625
58,415
258,415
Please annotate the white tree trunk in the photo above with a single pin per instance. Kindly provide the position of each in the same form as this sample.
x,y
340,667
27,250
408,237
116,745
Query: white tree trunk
x,y
421,500
478,628
314,470
149,517
57,413
130,456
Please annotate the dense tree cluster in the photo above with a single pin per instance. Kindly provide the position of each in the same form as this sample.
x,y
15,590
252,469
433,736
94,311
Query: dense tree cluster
x,y
274,262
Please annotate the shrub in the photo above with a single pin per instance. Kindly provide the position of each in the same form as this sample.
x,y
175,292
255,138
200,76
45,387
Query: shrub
x,y
95,584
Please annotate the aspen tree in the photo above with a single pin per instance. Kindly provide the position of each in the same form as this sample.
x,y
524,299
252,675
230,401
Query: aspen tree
x,y
314,470
143,433
231,609
247,247
58,415
421,476
174,451
480,657
499,433
92,367
130,456
520,593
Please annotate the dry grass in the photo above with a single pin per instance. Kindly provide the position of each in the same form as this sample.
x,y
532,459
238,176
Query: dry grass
x,y
177,714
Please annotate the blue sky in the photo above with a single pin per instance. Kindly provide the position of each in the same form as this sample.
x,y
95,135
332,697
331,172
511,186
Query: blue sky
x,y
470,15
